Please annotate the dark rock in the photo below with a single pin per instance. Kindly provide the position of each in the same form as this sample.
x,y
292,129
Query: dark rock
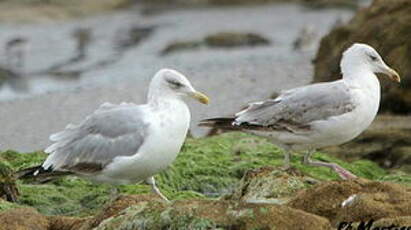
x,y
133,36
179,46
222,39
385,25
230,39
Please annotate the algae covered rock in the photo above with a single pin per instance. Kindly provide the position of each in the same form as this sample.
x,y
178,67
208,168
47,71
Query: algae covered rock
x,y
368,200
245,166
270,185
206,168
6,205
385,25
8,187
114,208
208,214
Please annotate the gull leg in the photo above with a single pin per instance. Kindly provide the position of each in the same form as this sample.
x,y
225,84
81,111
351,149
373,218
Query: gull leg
x,y
287,156
155,189
343,173
114,194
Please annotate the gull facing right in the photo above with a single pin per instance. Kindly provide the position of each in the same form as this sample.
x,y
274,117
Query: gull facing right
x,y
125,143
319,115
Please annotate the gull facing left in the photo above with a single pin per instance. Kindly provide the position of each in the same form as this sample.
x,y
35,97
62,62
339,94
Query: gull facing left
x,y
126,143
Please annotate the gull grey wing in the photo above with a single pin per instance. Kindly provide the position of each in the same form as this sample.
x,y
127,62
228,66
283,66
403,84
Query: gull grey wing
x,y
111,131
294,109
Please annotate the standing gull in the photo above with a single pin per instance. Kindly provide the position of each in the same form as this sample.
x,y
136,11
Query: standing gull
x,y
318,115
126,143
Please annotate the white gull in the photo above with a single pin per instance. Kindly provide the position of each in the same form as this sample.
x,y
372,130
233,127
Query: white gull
x,y
126,143
318,115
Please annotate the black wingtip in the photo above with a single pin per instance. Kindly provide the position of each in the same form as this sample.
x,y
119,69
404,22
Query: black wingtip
x,y
40,175
220,122
28,173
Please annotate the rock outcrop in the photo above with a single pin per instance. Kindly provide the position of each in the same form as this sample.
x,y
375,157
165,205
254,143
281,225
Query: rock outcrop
x,y
23,219
385,25
365,200
270,185
228,181
211,214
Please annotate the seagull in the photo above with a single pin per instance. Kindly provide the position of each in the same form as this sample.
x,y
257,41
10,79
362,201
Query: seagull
x,y
125,143
318,115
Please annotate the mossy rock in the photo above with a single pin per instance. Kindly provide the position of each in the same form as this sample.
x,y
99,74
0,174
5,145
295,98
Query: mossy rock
x,y
385,25
8,187
206,168
207,214
270,185
6,205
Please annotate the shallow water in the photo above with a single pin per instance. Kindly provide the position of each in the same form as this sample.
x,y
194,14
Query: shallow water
x,y
62,77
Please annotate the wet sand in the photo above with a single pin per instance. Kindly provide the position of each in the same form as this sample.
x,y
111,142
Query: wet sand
x,y
231,77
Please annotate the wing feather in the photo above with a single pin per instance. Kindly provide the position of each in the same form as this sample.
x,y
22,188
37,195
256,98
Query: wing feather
x,y
295,109
111,131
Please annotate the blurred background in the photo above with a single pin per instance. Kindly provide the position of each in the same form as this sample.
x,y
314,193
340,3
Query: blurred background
x,y
61,59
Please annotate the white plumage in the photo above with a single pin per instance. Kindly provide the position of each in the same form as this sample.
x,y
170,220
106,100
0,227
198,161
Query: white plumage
x,y
321,114
127,143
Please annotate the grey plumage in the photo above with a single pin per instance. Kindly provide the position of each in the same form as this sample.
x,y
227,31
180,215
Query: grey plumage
x,y
111,131
295,109
319,115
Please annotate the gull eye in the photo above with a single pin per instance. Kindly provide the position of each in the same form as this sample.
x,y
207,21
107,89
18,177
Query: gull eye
x,y
373,58
174,83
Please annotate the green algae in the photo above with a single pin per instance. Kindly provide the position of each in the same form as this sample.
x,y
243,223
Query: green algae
x,y
18,160
206,168
155,217
8,187
66,196
214,165
5,205
398,177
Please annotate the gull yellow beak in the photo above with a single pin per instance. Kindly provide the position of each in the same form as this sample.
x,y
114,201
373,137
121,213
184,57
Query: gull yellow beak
x,y
202,98
393,75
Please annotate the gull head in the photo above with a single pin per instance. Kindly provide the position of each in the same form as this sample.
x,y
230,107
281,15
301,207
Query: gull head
x,y
171,83
362,55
